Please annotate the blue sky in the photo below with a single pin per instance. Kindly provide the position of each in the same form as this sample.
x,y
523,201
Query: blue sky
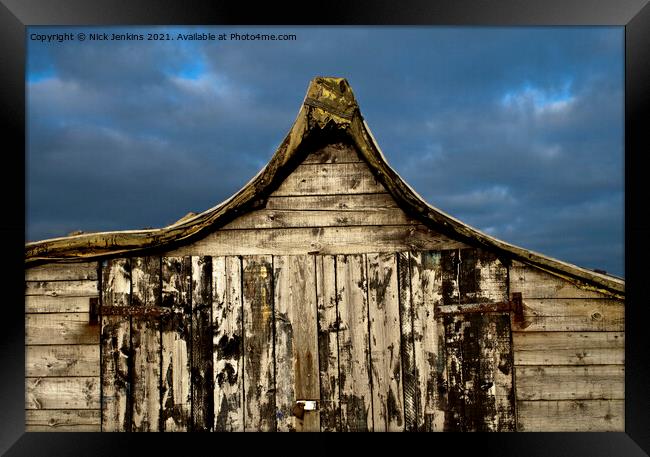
x,y
516,131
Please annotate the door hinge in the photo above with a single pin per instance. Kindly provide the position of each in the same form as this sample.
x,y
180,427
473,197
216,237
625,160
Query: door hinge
x,y
142,311
514,305
93,311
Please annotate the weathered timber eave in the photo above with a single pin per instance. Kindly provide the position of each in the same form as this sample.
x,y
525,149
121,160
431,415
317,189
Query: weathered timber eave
x,y
329,108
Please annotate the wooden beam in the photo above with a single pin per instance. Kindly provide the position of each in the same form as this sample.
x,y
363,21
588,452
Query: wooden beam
x,y
318,240
80,392
202,374
328,350
228,344
569,348
176,402
116,352
354,347
62,360
385,349
145,345
296,341
567,314
49,304
62,272
73,288
591,382
259,370
60,328
571,416
63,420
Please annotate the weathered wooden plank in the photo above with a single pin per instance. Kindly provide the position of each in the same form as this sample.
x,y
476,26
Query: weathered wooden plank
x,y
285,344
571,416
62,271
74,288
385,348
466,308
323,240
569,348
176,340
277,218
228,344
479,367
62,393
409,380
339,203
428,340
333,153
116,348
62,360
571,315
201,361
63,420
472,275
592,382
304,310
49,304
145,345
330,178
259,379
60,328
354,357
532,282
455,417
328,351
296,341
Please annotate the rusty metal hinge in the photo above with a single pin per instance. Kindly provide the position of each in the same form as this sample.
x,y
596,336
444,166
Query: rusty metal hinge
x,y
517,306
143,311
93,311
514,305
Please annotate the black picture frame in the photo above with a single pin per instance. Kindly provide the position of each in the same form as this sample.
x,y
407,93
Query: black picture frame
x,y
15,15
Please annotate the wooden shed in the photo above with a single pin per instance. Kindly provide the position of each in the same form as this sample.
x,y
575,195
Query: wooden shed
x,y
325,295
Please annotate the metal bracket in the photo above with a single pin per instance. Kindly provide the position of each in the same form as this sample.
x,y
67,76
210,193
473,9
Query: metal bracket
x,y
515,306
93,311
143,311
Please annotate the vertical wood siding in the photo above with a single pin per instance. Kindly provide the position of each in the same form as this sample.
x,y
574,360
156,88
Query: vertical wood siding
x,y
227,321
428,340
328,347
116,352
385,355
145,345
296,341
259,363
176,397
201,361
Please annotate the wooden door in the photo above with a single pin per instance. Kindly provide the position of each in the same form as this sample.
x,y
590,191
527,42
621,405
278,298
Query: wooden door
x,y
415,341
456,344
475,312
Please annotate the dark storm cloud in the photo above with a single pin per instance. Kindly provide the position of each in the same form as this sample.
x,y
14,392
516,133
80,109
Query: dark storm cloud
x,y
518,132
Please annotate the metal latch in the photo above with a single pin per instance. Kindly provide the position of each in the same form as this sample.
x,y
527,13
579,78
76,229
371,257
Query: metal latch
x,y
301,406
